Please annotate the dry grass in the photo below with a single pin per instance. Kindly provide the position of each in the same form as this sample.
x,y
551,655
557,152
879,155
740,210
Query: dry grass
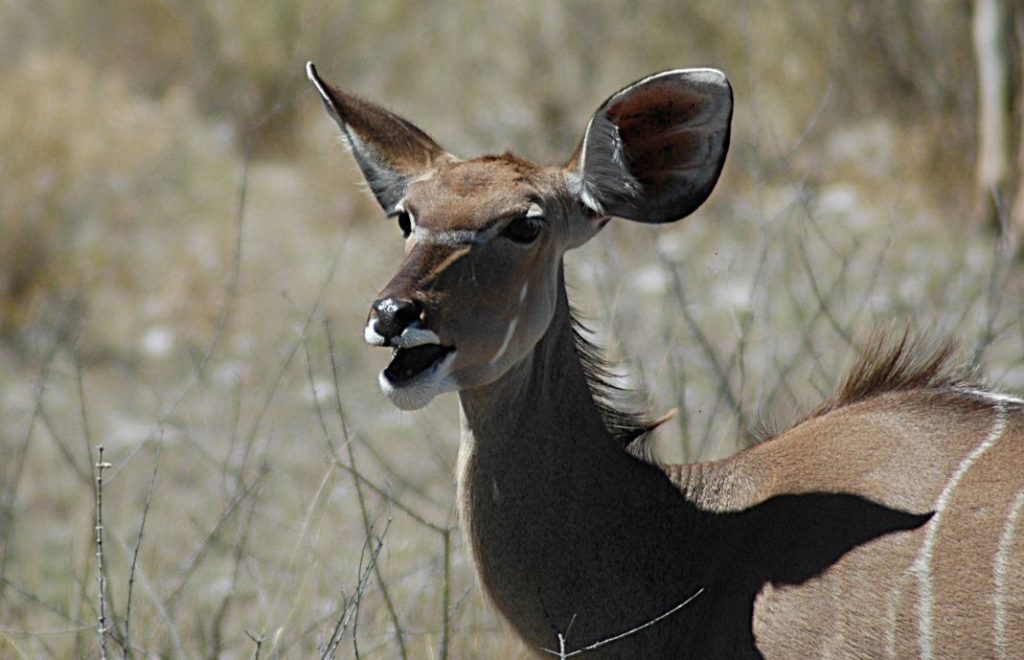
x,y
184,278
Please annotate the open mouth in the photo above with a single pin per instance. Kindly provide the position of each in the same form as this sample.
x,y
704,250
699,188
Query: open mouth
x,y
408,363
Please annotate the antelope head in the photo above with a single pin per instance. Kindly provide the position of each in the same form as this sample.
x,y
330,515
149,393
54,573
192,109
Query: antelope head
x,y
484,238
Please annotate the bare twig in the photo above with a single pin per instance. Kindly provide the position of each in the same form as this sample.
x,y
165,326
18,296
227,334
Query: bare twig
x,y
446,596
561,653
724,388
258,641
385,593
351,606
7,518
822,298
193,561
83,472
230,295
102,577
998,276
217,624
159,605
135,556
398,504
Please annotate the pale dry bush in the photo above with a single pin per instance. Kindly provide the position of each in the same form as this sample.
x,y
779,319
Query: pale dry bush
x,y
202,320
93,217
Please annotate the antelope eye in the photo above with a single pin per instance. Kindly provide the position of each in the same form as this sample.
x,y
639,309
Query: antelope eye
x,y
405,223
522,230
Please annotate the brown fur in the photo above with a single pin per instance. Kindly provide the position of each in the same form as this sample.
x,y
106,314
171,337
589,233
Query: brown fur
x,y
883,525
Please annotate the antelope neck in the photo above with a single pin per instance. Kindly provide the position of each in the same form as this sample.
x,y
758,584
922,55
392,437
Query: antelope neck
x,y
541,416
564,525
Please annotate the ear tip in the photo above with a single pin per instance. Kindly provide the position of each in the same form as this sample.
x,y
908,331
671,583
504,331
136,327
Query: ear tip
x,y
311,73
709,77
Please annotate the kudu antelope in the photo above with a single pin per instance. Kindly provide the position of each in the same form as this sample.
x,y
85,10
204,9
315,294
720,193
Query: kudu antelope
x,y
888,523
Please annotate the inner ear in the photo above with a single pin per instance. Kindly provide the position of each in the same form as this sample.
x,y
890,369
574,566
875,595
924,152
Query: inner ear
x,y
654,150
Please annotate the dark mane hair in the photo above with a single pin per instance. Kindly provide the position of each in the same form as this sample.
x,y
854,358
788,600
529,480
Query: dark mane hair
x,y
899,362
891,361
618,407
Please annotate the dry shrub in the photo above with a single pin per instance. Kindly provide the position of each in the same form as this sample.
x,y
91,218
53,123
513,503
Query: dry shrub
x,y
92,211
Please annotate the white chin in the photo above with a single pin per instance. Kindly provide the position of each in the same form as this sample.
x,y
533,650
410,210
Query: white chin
x,y
420,390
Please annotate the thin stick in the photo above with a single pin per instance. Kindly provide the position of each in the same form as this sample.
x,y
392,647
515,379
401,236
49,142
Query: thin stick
x,y
993,293
230,296
102,577
258,641
724,388
404,508
352,606
14,478
197,556
446,596
596,645
388,602
135,555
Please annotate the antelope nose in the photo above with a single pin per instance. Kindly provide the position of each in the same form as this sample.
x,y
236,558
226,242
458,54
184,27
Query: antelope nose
x,y
394,315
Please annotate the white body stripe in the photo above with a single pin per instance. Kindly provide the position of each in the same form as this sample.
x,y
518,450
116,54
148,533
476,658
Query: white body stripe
x,y
999,573
922,566
994,397
890,616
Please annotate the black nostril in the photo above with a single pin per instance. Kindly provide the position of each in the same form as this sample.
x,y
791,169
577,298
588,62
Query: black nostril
x,y
394,316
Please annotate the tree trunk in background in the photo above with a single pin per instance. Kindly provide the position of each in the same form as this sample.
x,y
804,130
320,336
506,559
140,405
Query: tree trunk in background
x,y
993,166
1017,215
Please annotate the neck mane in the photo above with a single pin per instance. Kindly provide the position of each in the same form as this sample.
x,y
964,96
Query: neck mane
x,y
553,503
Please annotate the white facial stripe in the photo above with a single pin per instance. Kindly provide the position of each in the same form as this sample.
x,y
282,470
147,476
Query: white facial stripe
x,y
446,238
922,566
511,330
535,211
999,570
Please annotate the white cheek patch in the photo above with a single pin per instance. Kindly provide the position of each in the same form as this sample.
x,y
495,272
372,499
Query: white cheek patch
x,y
422,390
371,336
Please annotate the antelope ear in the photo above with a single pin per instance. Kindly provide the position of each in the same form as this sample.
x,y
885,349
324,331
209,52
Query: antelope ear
x,y
390,150
653,151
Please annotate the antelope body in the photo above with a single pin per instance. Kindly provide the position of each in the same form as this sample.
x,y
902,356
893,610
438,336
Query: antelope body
x,y
889,523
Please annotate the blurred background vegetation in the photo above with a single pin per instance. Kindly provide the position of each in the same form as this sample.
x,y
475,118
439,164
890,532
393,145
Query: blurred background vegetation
x,y
187,258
